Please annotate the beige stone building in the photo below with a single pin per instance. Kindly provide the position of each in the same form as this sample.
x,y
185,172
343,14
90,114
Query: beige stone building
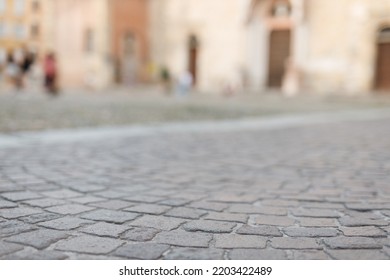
x,y
329,46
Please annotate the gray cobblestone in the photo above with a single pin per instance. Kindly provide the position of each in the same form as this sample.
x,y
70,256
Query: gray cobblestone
x,y
239,241
209,226
257,254
148,209
158,222
105,229
175,202
214,206
309,255
13,227
42,217
319,213
45,255
45,202
89,245
184,238
259,230
357,254
317,222
6,204
8,248
195,254
357,222
38,239
20,196
140,234
342,242
229,217
187,213
250,209
368,231
61,194
65,223
274,220
294,243
69,209
310,232
145,251
110,216
112,204
12,213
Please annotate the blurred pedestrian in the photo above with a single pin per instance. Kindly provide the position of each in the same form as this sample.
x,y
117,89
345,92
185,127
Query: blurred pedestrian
x,y
51,73
166,80
26,65
185,83
12,72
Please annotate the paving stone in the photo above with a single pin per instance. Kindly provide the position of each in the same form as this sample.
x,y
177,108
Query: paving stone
x,y
110,216
309,255
111,194
69,209
87,188
145,251
317,222
368,231
13,227
214,206
45,202
279,203
105,229
257,254
294,243
89,245
250,209
386,213
63,194
218,216
259,230
273,220
320,213
158,222
195,254
368,206
42,217
113,204
38,239
239,241
45,256
310,232
7,204
342,242
143,198
233,198
8,248
175,202
357,254
187,213
184,239
148,209
20,196
209,226
140,234
87,199
357,222
65,223
12,213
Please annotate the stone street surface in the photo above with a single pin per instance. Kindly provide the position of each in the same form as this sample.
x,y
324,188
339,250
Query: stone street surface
x,y
317,190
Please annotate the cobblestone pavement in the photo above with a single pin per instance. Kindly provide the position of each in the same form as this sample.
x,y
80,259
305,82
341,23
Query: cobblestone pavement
x,y
301,192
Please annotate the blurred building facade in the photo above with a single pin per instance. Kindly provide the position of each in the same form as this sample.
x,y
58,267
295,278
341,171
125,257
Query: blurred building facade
x,y
100,42
293,45
22,26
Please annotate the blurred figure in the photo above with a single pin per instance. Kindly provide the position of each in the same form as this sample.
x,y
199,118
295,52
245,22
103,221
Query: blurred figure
x,y
50,71
166,80
185,82
13,73
26,65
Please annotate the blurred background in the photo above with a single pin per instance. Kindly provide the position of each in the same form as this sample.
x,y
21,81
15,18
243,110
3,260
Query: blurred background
x,y
203,47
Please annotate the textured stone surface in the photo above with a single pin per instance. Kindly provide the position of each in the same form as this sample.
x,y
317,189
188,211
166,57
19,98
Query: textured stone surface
x,y
187,213
294,243
141,234
229,217
274,220
148,209
65,223
110,216
7,248
310,232
158,222
352,243
357,254
259,230
195,254
89,245
184,238
368,231
209,226
257,254
38,239
69,209
105,229
239,241
146,251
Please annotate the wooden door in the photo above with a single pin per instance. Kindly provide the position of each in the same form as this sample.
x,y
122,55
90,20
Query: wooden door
x,y
279,52
383,67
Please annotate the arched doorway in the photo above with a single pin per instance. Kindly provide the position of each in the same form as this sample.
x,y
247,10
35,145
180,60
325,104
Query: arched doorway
x,y
382,79
279,41
193,52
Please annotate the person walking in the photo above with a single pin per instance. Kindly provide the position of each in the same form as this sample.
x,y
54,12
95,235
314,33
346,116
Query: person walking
x,y
50,71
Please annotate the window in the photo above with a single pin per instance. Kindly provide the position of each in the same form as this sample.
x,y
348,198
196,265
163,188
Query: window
x,y
89,41
281,8
36,6
3,4
34,31
19,7
20,31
